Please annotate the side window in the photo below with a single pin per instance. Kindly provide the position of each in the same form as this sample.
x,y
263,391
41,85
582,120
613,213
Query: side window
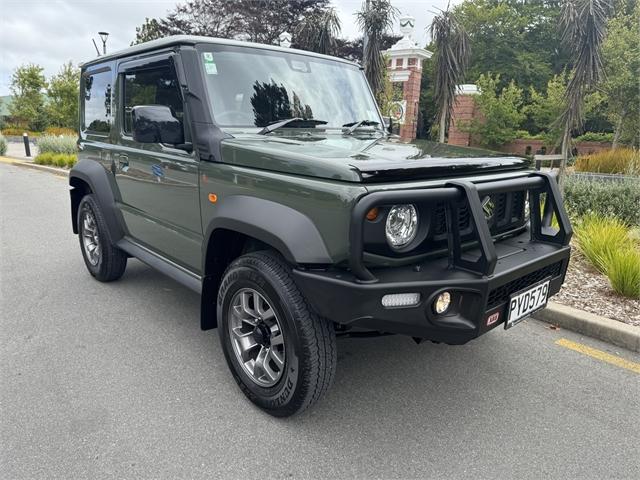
x,y
97,102
151,86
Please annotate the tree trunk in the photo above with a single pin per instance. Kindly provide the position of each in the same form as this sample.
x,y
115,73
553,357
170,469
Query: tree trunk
x,y
443,125
566,145
618,131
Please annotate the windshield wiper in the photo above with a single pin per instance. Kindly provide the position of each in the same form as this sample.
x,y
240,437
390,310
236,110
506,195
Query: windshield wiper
x,y
353,126
297,121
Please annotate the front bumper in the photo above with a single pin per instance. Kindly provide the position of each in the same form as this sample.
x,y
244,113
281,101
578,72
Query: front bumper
x,y
340,297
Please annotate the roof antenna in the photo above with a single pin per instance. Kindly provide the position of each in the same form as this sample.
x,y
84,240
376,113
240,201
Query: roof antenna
x,y
94,44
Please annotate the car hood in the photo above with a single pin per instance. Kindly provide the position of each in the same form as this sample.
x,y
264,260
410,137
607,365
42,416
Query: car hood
x,y
362,158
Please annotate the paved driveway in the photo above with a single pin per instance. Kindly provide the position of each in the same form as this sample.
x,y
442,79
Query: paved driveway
x,y
117,380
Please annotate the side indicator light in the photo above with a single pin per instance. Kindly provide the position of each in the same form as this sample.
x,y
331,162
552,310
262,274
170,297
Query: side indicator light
x,y
213,198
372,214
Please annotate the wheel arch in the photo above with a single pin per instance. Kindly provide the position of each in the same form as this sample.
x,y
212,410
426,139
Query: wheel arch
x,y
88,176
245,224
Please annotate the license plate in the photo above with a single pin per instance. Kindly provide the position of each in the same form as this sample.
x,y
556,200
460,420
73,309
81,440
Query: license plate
x,y
525,302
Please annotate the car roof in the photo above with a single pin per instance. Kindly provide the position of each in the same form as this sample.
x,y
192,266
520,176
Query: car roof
x,y
176,40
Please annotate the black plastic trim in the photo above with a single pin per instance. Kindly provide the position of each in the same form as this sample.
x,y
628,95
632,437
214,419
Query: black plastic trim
x,y
162,264
103,188
453,192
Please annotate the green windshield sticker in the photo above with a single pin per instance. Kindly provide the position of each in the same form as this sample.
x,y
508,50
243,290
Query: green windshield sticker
x,y
208,56
211,68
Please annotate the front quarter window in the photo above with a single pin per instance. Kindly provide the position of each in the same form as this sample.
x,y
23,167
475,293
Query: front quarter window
x,y
251,87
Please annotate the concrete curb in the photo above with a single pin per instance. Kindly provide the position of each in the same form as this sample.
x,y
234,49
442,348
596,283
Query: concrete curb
x,y
35,166
601,328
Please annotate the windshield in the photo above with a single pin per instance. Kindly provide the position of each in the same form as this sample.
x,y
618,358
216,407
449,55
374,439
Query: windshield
x,y
251,87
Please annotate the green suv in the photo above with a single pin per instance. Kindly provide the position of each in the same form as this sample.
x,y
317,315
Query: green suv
x,y
265,179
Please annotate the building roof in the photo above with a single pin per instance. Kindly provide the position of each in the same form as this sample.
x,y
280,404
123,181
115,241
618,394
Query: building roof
x,y
175,40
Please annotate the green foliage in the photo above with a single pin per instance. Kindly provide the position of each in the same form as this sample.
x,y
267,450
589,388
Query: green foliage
x,y
62,160
501,113
620,160
57,144
544,109
594,137
618,199
621,56
63,92
28,105
519,39
374,20
623,271
3,145
317,32
451,59
599,237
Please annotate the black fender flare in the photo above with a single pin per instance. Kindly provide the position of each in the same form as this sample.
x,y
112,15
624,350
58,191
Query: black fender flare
x,y
287,230
103,187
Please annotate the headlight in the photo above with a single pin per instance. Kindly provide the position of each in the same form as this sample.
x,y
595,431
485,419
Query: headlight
x,y
402,225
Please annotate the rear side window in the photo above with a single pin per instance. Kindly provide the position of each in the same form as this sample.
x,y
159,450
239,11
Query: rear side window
x,y
97,102
156,85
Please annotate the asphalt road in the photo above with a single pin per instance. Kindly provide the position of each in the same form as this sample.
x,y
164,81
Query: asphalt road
x,y
117,380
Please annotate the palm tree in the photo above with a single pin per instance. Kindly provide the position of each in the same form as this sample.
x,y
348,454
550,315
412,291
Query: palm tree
x,y
584,29
452,54
375,18
318,31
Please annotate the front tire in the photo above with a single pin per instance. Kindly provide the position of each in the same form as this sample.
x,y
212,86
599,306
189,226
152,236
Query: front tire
x,y
103,260
281,354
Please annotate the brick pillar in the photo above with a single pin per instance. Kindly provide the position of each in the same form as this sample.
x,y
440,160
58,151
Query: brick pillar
x,y
405,65
411,95
464,110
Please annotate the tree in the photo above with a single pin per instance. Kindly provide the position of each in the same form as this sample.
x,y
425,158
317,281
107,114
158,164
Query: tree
x,y
375,19
62,93
253,20
28,106
451,57
519,39
500,113
584,27
149,30
545,108
318,32
621,58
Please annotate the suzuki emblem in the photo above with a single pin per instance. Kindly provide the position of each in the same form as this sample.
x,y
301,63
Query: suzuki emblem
x,y
488,207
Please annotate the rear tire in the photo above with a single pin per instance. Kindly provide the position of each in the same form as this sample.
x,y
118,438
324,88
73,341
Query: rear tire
x,y
281,354
103,260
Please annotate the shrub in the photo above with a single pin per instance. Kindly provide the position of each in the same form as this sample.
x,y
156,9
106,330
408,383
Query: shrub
x,y
57,144
61,160
60,131
599,238
620,160
3,145
607,198
17,132
623,271
595,137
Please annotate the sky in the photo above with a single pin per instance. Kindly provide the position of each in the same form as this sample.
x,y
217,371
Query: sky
x,y
52,32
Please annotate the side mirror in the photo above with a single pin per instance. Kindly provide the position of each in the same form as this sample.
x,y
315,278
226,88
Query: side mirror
x,y
388,124
156,124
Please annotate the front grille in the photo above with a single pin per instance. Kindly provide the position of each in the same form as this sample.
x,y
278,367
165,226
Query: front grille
x,y
508,215
501,294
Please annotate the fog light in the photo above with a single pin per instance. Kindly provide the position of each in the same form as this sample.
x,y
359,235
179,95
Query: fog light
x,y
401,300
441,305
